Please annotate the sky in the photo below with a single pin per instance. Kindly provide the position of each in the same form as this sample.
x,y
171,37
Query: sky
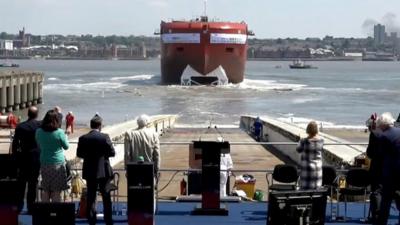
x,y
267,19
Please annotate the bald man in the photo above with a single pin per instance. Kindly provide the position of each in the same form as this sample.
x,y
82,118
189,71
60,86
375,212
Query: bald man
x,y
27,153
143,142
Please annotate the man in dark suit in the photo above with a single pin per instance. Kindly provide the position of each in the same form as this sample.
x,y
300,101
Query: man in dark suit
x,y
390,140
374,152
95,148
27,154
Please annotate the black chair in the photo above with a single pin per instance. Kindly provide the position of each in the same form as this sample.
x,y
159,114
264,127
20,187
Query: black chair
x,y
329,180
357,182
286,176
114,188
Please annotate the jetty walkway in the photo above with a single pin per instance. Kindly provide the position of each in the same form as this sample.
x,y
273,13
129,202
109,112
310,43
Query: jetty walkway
x,y
20,89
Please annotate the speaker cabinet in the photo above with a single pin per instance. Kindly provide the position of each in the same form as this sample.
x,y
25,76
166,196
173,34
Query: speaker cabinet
x,y
141,198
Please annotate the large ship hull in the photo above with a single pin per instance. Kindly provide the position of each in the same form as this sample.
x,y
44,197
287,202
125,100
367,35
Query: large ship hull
x,y
205,47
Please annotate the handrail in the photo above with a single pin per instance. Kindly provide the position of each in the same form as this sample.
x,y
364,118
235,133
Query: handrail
x,y
231,143
268,171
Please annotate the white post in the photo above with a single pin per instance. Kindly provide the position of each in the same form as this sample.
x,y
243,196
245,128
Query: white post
x,y
35,83
17,92
10,97
24,91
30,90
3,95
40,99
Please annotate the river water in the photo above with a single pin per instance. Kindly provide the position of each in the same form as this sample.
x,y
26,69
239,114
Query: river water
x,y
337,94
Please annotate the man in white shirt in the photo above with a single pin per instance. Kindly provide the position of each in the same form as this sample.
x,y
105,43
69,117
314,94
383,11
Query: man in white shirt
x,y
226,166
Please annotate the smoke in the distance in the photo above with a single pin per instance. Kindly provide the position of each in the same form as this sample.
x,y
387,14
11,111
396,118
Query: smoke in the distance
x,y
368,26
389,20
391,23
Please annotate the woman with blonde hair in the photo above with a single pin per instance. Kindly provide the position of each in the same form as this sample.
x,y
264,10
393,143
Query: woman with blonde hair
x,y
310,149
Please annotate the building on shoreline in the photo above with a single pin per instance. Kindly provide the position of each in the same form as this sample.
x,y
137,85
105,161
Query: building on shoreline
x,y
26,46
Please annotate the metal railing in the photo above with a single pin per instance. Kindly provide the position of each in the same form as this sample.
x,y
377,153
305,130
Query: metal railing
x,y
262,173
231,143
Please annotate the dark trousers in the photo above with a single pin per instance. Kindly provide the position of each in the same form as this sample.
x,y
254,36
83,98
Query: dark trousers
x,y
257,134
28,175
375,201
92,187
389,189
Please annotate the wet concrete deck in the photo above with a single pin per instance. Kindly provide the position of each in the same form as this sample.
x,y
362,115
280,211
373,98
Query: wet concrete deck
x,y
245,157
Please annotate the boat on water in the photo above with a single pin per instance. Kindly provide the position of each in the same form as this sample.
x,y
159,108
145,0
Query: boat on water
x,y
203,52
299,64
9,65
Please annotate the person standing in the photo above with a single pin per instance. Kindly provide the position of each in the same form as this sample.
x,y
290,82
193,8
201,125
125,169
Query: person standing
x,y
226,165
59,115
143,145
12,120
95,148
143,142
52,142
390,140
69,123
374,152
27,153
258,129
311,149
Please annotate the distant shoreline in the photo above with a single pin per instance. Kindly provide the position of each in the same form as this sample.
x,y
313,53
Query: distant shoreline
x,y
333,59
73,58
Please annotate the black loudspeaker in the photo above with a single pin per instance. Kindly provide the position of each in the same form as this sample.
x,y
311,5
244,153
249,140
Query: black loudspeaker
x,y
302,207
60,213
141,196
8,202
8,166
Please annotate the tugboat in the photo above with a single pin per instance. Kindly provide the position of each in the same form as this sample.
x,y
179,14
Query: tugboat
x,y
203,52
299,64
9,65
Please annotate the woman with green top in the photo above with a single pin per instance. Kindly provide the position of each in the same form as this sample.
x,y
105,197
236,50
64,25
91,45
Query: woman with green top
x,y
52,141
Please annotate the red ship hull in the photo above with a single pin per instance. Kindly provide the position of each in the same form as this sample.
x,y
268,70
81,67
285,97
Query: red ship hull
x,y
204,46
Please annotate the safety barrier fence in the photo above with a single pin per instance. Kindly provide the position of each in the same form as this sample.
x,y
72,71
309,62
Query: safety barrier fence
x,y
170,178
169,185
233,143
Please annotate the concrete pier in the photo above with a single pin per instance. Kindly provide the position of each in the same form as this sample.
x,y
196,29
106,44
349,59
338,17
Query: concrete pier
x,y
335,152
19,89
160,123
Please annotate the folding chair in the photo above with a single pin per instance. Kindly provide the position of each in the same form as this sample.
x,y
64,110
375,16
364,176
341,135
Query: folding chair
x,y
329,180
286,176
357,182
114,188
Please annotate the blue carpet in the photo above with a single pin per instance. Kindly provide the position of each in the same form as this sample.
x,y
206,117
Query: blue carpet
x,y
239,214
